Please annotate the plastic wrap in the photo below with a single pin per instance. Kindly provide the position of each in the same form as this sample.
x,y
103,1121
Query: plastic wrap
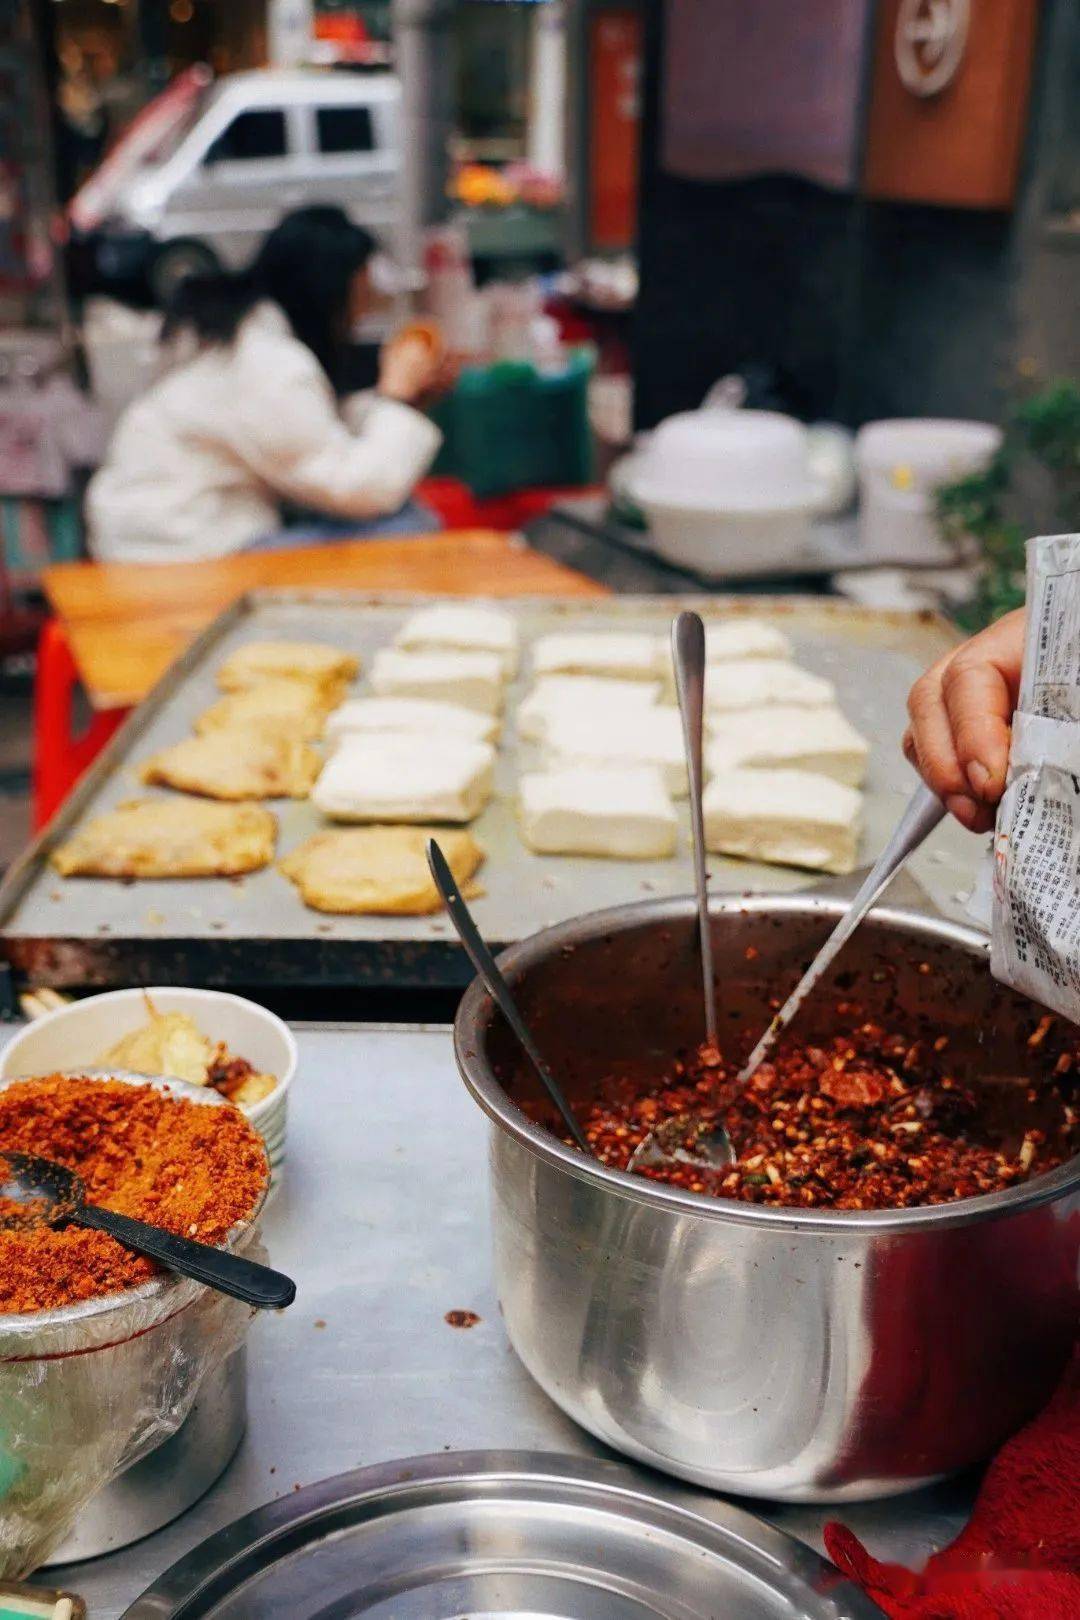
x,y
88,1389
1035,922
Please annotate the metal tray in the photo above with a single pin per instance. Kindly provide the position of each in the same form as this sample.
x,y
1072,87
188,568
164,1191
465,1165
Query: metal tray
x,y
495,1535
255,931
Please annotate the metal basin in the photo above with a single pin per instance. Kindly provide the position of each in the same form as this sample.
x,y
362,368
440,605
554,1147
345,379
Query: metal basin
x,y
820,1356
171,1478
92,1395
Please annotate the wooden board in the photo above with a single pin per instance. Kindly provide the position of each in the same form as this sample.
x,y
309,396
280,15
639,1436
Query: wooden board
x,y
127,622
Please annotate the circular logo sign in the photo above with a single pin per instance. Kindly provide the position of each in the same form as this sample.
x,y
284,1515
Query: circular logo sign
x,y
929,45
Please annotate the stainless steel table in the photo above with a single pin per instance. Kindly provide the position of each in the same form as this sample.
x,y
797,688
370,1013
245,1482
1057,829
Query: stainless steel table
x,y
382,1220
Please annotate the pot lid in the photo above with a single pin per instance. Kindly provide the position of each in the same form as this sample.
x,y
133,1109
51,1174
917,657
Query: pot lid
x,y
500,1536
728,459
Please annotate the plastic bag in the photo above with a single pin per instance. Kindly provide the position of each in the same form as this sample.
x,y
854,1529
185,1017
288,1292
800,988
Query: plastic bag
x,y
1035,921
87,1390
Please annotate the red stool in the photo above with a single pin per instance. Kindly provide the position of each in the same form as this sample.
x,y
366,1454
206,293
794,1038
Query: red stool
x,y
459,508
60,758
451,500
534,503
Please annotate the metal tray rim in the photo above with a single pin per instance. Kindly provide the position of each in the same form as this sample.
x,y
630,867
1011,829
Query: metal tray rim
x,y
315,960
202,1574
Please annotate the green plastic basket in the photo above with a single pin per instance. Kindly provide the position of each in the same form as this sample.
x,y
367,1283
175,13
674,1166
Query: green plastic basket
x,y
508,426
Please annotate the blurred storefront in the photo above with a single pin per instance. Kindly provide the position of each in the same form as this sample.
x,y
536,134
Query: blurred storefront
x,y
886,232
125,49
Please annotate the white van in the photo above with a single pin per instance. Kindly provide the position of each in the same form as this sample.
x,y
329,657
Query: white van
x,y
208,169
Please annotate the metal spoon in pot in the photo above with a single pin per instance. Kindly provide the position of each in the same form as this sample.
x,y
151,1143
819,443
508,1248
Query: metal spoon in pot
x,y
923,813
702,1145
684,1139
49,1194
497,987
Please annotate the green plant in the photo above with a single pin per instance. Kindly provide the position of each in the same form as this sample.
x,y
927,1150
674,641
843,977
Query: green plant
x,y
1003,506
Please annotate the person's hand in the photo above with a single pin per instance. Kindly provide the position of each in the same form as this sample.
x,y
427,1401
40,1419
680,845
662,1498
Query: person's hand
x,y
408,368
961,711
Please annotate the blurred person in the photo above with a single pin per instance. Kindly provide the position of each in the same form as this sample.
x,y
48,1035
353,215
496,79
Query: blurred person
x,y
961,716
247,426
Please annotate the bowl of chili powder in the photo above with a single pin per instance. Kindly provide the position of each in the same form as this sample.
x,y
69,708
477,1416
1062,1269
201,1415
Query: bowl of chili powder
x,y
103,1353
152,1150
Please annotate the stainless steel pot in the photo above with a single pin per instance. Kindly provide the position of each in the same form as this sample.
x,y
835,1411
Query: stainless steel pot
x,y
89,1390
171,1478
820,1356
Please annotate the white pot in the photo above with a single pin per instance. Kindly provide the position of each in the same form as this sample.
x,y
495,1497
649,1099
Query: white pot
x,y
728,460
726,492
75,1037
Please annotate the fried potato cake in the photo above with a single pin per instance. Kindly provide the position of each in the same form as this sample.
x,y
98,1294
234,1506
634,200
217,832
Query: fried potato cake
x,y
293,660
295,707
381,871
236,765
170,837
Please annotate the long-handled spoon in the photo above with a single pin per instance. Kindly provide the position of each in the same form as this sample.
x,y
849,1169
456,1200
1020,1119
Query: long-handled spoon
x,y
707,1146
497,987
923,813
683,1139
50,1194
688,653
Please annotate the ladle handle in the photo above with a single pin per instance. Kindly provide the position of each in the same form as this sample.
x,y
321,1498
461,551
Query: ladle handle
x,y
688,654
229,1273
923,813
497,987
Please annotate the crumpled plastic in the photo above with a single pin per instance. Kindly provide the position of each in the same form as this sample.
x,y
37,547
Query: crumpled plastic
x,y
88,1390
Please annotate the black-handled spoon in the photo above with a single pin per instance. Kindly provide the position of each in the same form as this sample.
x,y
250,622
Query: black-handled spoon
x,y
49,1193
485,964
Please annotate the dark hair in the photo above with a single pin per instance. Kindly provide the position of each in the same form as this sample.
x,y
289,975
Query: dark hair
x,y
305,265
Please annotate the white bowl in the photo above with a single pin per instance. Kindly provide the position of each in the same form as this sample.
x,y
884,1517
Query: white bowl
x,y
726,545
75,1036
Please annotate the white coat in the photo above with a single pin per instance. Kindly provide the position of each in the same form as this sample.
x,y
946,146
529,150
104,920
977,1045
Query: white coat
x,y
198,466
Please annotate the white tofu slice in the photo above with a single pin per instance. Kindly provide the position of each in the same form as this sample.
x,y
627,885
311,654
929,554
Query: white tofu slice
x,y
625,737
471,680
762,683
737,638
458,627
581,810
407,717
731,641
787,818
630,655
554,695
818,740
418,778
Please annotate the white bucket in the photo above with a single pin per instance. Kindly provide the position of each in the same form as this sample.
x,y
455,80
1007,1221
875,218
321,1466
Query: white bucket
x,y
902,464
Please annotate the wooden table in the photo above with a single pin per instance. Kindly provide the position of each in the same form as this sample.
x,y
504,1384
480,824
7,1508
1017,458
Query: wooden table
x,y
126,622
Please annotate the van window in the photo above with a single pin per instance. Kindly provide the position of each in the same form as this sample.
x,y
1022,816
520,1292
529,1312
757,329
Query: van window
x,y
255,134
345,129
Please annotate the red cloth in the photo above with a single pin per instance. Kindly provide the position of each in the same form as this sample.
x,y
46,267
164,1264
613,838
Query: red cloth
x,y
1019,1557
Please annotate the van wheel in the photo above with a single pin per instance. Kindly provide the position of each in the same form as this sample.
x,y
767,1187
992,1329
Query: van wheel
x,y
174,263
